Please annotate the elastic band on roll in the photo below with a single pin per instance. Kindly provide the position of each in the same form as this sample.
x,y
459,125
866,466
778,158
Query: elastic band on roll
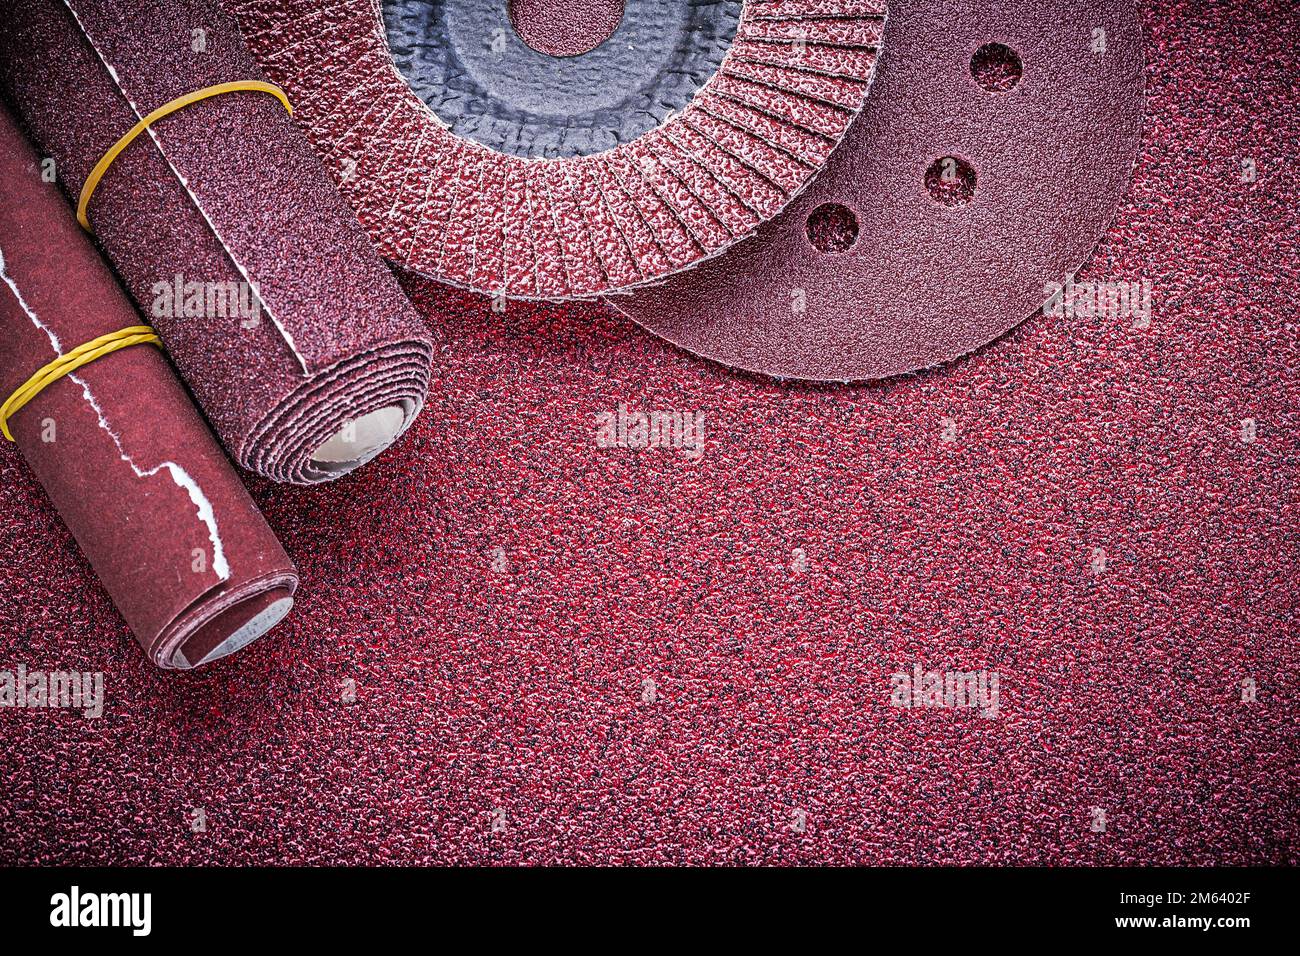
x,y
69,362
96,174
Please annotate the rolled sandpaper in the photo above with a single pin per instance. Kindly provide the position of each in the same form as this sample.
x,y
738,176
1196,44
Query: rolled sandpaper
x,y
290,331
119,447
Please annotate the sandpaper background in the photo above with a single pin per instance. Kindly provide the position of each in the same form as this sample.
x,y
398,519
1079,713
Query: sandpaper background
x,y
223,191
932,273
566,29
519,695
713,163
122,453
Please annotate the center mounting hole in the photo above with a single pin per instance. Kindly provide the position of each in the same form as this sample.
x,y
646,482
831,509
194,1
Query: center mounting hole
x,y
950,181
996,67
565,27
832,228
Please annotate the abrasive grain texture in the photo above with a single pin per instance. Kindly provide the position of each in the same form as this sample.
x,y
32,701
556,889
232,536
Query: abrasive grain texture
x,y
619,655
565,28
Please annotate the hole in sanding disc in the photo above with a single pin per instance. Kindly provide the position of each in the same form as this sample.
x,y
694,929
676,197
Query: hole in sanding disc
x,y
996,67
832,228
950,181
565,27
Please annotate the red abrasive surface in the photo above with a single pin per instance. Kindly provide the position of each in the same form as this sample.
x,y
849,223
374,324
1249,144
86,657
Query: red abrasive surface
x,y
966,195
565,27
518,696
757,132
122,453
223,192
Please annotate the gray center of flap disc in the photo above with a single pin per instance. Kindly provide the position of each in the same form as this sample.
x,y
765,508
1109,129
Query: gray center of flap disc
x,y
465,60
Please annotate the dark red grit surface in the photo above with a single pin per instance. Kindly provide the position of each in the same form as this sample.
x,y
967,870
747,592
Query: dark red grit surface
x,y
566,653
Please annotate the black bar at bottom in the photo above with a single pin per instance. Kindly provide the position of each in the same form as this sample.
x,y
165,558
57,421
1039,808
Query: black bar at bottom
x,y
945,905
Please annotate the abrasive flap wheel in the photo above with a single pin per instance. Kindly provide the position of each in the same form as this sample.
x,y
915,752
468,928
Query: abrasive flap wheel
x,y
558,149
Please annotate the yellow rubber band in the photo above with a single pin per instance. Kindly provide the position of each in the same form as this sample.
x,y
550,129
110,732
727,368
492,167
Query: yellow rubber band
x,y
96,174
69,362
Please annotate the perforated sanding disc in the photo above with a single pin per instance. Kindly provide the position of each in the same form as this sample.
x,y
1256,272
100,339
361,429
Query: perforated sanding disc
x,y
566,148
995,146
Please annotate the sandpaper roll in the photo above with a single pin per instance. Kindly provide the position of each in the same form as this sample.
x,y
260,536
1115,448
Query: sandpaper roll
x,y
290,331
119,447
553,149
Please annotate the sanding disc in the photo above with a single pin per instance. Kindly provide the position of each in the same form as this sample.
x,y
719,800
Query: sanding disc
x,y
996,143
566,148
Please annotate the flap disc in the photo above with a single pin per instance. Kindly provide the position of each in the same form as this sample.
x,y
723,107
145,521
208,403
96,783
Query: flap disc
x,y
996,143
567,148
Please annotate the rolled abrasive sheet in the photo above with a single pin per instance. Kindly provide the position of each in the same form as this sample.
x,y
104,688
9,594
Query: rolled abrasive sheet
x,y
557,150
290,331
119,447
